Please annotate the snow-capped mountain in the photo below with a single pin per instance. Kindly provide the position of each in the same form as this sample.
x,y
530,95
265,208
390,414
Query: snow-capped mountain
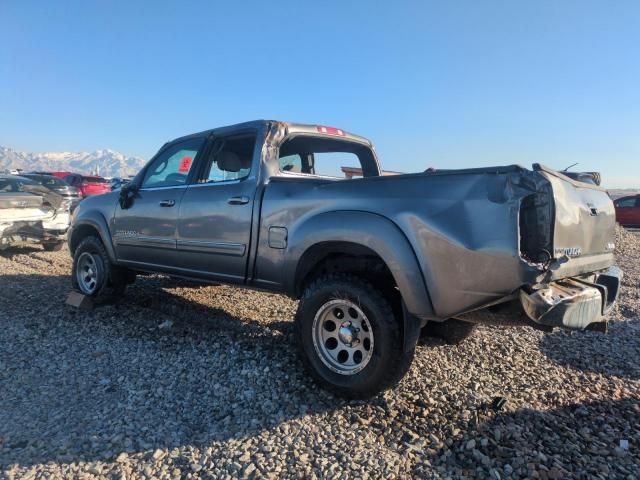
x,y
105,162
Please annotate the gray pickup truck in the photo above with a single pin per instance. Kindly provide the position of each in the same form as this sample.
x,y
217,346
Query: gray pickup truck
x,y
375,260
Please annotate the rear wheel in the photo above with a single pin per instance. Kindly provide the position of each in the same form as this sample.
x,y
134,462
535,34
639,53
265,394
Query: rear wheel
x,y
451,331
93,274
350,339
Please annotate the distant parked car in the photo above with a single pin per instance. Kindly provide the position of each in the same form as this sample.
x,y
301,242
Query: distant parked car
x,y
57,185
87,185
117,183
31,213
628,211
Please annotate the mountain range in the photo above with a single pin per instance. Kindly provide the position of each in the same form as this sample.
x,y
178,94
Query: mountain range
x,y
105,162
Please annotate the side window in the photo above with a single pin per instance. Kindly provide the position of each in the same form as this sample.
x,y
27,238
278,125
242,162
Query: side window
x,y
230,159
171,168
626,203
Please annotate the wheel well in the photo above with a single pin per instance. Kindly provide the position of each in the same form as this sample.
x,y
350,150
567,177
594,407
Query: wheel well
x,y
346,257
80,232
343,257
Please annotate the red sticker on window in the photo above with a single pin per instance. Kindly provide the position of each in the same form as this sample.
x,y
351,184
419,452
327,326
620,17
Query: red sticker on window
x,y
185,164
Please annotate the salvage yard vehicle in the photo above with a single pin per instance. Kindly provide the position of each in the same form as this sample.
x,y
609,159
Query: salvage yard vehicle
x,y
87,185
628,210
31,213
373,260
58,185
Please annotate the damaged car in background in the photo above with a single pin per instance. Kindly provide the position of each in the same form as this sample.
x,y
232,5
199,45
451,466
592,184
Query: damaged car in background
x,y
58,186
375,261
31,213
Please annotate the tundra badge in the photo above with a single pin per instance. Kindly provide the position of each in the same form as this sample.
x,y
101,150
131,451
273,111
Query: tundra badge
x,y
568,251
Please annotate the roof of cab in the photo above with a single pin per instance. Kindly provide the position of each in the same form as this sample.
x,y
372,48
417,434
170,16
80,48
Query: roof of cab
x,y
301,128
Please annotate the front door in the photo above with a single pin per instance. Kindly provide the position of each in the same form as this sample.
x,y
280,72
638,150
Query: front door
x,y
214,228
144,233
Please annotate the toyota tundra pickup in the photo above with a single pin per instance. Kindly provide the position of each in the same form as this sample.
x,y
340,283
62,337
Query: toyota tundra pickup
x,y
374,260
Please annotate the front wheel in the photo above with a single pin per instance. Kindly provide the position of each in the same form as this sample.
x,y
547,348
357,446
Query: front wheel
x,y
93,274
350,339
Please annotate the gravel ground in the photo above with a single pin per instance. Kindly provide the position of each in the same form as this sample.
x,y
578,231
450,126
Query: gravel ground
x,y
204,382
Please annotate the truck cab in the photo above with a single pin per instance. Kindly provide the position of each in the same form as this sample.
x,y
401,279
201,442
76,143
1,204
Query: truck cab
x,y
197,201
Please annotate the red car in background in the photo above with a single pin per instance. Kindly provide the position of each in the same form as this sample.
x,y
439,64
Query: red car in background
x,y
87,184
628,211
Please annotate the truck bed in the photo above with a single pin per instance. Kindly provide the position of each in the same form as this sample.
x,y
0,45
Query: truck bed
x,y
479,234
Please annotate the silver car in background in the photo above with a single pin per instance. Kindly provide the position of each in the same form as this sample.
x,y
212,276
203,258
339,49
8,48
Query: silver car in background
x,y
32,214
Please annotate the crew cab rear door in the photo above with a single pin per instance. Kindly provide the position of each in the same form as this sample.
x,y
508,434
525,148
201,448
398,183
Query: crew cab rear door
x,y
214,228
145,232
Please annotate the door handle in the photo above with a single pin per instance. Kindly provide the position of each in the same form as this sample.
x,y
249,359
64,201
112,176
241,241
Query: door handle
x,y
167,203
243,200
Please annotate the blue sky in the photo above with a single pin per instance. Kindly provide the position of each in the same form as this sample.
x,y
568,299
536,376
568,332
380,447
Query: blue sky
x,y
446,84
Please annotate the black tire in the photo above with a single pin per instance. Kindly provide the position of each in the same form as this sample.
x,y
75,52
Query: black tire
x,y
451,331
52,246
109,282
388,362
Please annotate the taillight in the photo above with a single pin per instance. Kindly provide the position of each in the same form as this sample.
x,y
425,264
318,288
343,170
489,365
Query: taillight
x,y
330,130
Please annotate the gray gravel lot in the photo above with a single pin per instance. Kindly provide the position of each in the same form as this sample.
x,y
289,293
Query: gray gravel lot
x,y
204,382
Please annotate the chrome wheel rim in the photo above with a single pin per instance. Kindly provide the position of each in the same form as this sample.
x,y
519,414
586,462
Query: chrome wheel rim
x,y
87,273
342,337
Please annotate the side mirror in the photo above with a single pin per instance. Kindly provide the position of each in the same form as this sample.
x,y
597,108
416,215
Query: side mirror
x,y
128,193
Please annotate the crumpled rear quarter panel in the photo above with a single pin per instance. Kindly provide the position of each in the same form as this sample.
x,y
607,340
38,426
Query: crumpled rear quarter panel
x,y
466,230
462,225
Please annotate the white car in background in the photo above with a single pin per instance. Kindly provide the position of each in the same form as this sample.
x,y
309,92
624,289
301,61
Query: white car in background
x,y
31,213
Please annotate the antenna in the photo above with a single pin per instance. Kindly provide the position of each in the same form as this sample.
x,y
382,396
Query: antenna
x,y
572,165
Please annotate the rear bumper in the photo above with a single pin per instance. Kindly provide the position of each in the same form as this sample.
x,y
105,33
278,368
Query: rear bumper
x,y
574,303
25,232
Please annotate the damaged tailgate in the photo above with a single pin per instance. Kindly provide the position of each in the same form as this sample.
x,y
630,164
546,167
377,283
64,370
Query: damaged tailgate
x,y
581,283
583,227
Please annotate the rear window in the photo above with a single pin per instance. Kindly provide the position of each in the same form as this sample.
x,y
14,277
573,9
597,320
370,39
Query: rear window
x,y
6,186
12,185
325,157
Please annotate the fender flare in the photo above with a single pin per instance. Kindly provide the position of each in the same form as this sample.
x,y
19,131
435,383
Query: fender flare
x,y
97,221
377,233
